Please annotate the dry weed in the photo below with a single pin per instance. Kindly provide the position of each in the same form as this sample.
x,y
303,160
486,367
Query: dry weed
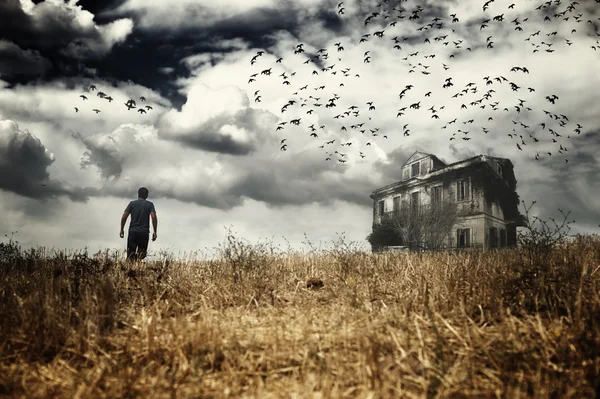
x,y
246,325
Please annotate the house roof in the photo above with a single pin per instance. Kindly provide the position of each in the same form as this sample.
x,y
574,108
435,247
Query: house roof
x,y
446,168
425,154
437,159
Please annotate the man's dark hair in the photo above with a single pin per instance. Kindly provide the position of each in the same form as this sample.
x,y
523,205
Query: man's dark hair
x,y
143,193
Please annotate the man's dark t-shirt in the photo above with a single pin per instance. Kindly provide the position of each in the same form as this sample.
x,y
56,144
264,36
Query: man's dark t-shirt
x,y
140,215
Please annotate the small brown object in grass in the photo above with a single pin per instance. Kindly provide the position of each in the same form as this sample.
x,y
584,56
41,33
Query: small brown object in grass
x,y
314,283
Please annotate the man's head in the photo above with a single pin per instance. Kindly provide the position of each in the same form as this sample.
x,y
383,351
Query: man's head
x,y
143,193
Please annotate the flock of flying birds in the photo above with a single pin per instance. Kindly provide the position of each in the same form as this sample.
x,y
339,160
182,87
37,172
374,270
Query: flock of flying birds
x,y
130,104
389,13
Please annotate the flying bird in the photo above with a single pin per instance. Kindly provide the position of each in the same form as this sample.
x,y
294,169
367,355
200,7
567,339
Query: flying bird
x,y
472,97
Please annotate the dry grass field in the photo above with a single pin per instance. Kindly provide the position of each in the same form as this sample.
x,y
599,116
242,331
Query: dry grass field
x,y
510,323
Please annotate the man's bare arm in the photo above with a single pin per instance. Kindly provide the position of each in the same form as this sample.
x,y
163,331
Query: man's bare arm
x,y
154,221
124,219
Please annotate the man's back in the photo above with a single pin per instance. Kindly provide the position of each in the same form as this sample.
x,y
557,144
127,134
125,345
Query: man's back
x,y
140,210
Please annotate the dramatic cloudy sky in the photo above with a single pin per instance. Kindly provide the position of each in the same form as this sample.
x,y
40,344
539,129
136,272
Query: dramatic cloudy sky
x,y
209,149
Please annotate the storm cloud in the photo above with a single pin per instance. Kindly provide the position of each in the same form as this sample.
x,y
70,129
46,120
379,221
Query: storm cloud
x,y
24,163
16,61
56,25
218,120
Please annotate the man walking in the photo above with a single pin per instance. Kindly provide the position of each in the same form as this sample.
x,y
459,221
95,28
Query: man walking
x,y
139,228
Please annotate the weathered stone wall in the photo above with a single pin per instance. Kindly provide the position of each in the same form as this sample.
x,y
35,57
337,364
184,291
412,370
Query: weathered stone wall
x,y
405,173
499,224
475,223
425,166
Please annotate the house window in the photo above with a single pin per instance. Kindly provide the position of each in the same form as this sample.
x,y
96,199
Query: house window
x,y
396,205
415,169
381,207
499,169
436,195
415,201
493,241
502,237
463,238
462,190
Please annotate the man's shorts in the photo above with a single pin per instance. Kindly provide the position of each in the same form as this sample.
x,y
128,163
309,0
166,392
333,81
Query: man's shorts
x,y
137,241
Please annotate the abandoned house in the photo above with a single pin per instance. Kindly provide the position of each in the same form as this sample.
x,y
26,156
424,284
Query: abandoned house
x,y
481,190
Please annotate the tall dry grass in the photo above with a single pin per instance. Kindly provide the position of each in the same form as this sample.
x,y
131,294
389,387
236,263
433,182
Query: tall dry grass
x,y
495,324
